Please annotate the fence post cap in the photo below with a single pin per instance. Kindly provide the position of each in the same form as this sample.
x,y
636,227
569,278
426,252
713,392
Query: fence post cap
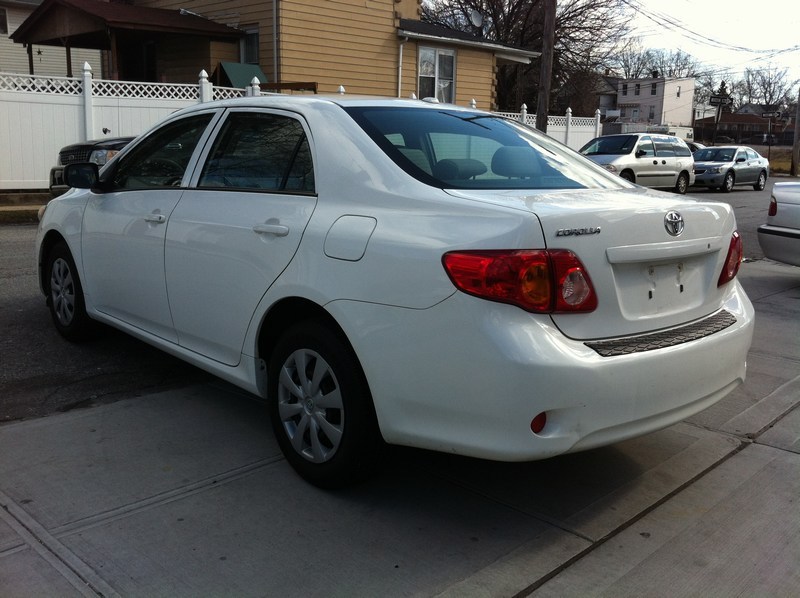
x,y
203,74
87,68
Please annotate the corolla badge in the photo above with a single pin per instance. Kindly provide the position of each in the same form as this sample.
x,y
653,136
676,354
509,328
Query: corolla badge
x,y
673,222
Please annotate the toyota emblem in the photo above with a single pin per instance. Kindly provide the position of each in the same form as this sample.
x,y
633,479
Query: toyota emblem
x,y
673,222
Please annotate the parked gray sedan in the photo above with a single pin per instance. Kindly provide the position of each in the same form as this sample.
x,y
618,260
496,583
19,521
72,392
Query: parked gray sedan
x,y
780,236
724,166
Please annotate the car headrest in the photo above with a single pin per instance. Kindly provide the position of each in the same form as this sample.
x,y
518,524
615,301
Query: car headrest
x,y
452,169
518,162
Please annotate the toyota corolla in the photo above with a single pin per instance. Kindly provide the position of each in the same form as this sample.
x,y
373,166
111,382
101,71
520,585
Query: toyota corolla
x,y
396,271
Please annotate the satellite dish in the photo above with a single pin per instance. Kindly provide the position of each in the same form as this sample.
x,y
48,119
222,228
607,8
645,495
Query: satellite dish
x,y
476,18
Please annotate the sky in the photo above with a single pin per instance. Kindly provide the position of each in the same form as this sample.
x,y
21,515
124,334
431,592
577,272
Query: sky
x,y
725,34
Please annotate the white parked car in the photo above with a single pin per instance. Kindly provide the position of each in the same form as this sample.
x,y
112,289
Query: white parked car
x,y
780,236
403,272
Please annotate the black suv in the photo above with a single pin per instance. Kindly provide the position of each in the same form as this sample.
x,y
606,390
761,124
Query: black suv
x,y
98,151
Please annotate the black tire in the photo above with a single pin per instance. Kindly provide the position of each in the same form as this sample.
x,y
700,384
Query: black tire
x,y
65,295
761,182
682,184
628,176
321,408
727,182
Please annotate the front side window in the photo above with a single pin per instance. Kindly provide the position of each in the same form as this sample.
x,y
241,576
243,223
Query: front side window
x,y
645,149
162,158
437,69
260,151
460,149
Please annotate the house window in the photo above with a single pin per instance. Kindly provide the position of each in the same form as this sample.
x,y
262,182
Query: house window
x,y
437,74
635,114
652,114
249,45
624,89
3,21
637,90
653,88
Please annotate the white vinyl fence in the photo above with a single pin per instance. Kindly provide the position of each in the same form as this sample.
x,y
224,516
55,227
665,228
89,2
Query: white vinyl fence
x,y
39,115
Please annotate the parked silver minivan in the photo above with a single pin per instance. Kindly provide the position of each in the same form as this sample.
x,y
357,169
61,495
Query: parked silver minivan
x,y
650,160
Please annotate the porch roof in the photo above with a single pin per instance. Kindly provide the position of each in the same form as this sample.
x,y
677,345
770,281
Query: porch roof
x,y
86,23
430,32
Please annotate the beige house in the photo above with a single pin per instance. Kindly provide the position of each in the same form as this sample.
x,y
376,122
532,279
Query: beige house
x,y
373,47
48,60
656,100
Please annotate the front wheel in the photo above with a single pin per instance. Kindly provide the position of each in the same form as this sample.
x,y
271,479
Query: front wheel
x,y
682,184
761,182
321,408
65,295
628,176
727,183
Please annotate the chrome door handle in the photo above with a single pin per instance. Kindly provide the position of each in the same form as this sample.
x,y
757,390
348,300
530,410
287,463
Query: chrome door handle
x,y
279,230
157,218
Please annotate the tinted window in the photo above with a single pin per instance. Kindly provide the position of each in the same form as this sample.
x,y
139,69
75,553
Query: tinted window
x,y
645,148
665,149
472,150
714,154
162,158
263,151
612,144
682,150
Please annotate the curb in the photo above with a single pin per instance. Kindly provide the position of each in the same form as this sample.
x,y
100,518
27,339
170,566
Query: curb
x,y
19,214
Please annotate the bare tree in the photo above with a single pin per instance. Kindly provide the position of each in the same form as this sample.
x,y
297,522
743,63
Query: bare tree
x,y
585,35
632,61
769,86
674,65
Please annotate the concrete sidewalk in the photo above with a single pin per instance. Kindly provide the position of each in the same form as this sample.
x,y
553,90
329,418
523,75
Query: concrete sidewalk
x,y
185,493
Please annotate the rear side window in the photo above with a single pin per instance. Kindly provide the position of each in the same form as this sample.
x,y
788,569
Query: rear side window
x,y
260,151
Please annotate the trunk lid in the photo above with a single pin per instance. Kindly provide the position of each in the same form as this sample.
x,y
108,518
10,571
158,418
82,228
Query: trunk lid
x,y
646,277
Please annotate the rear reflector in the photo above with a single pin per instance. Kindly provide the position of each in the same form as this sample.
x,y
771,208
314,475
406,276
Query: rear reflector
x,y
538,423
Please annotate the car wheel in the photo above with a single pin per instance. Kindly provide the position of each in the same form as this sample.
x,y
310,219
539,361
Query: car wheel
x,y
628,176
65,295
761,182
727,183
682,184
321,407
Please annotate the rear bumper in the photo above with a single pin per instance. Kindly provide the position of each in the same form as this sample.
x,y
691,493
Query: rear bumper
x,y
780,244
468,377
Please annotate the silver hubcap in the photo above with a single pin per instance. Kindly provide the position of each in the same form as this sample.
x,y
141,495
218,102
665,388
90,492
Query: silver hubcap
x,y
310,405
62,291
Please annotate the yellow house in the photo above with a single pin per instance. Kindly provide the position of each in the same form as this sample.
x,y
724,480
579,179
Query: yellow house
x,y
371,47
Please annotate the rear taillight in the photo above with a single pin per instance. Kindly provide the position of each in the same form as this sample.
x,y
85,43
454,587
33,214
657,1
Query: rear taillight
x,y
541,281
773,207
732,261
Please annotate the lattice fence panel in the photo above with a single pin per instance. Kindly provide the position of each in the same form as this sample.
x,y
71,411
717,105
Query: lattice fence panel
x,y
39,84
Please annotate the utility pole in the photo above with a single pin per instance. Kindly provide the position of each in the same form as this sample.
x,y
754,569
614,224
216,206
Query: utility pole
x,y
796,147
546,72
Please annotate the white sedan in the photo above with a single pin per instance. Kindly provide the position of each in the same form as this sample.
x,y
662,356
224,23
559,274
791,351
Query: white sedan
x,y
392,271
780,236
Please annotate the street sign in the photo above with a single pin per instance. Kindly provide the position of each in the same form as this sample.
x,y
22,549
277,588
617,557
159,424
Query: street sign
x,y
770,115
720,100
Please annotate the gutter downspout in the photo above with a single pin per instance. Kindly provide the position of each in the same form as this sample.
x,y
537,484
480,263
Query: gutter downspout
x,y
400,67
275,72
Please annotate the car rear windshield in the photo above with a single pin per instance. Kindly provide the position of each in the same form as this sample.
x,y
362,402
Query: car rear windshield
x,y
459,149
614,145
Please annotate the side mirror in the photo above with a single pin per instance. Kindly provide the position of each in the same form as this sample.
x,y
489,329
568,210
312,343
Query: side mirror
x,y
82,175
740,159
640,153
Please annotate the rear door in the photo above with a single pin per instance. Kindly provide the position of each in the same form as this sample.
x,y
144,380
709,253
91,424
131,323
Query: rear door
x,y
666,163
232,235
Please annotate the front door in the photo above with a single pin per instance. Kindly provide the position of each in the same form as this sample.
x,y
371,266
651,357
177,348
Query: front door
x,y
124,229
